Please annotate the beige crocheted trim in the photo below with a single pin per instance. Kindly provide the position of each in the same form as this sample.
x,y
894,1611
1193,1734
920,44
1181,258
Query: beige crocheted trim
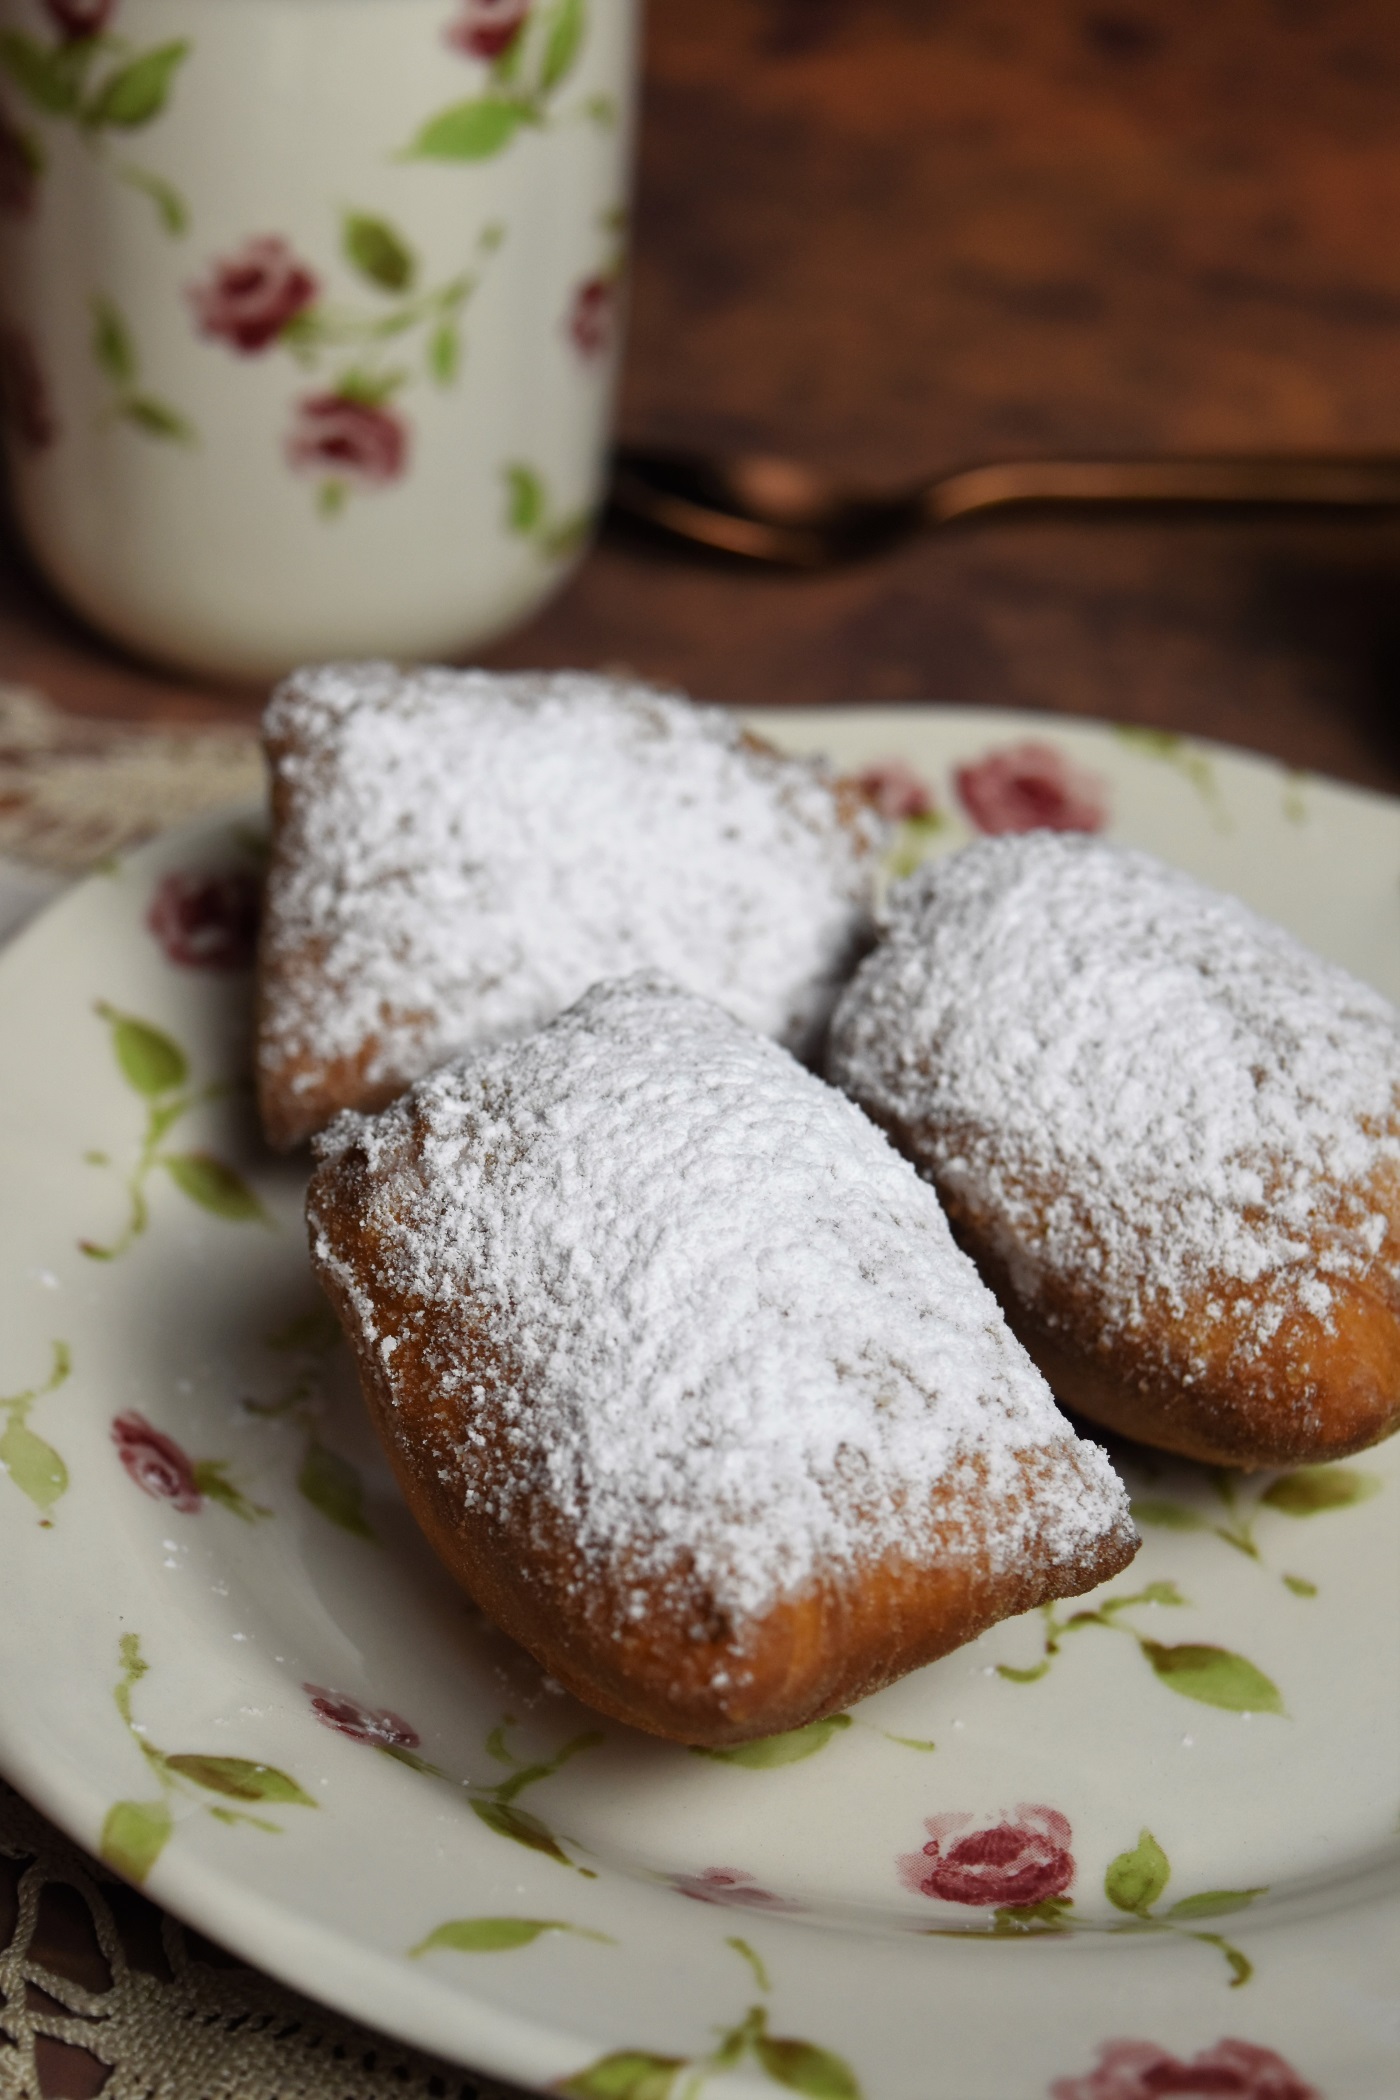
x,y
208,2029
73,789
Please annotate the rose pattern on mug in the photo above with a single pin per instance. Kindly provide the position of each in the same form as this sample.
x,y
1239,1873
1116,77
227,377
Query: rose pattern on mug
x,y
530,52
348,436
116,357
91,79
593,310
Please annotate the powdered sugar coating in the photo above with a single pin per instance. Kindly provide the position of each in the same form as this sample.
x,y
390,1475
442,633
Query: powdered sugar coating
x,y
463,854
742,1340
1133,1082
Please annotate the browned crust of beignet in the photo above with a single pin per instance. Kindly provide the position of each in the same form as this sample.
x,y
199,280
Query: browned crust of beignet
x,y
1320,1388
806,1657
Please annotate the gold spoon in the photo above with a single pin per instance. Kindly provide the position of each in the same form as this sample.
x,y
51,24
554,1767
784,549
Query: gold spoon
x,y
777,511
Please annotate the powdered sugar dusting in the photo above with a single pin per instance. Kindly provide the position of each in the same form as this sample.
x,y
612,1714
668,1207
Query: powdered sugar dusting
x,y
464,854
1136,1083
743,1340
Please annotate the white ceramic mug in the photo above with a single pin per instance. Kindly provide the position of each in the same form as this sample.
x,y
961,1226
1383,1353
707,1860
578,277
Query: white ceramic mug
x,y
309,312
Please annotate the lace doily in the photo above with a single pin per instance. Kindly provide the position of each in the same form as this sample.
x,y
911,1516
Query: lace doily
x,y
125,2002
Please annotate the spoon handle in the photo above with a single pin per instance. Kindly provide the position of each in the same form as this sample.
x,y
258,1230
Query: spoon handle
x,y
1337,483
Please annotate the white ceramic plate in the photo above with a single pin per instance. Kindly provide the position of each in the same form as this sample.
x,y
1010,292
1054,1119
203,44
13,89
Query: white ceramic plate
x,y
1154,1850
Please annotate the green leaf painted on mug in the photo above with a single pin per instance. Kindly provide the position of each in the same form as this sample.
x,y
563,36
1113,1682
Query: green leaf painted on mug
x,y
469,130
444,353
627,2074
112,347
331,1484
133,1837
240,1779
1313,1489
157,419
379,253
787,1749
1136,1879
34,1466
804,2068
1215,1677
149,1061
564,36
136,92
47,78
525,499
171,208
212,1185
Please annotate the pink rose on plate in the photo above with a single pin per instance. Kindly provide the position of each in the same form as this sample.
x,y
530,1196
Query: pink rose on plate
x,y
156,1463
346,439
1231,2070
487,28
206,922
19,171
77,19
1023,1858
247,299
363,1724
1031,787
592,314
895,790
730,1888
24,397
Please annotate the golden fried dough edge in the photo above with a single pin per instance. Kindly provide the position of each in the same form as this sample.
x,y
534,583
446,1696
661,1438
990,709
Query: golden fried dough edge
x,y
809,1655
1323,1387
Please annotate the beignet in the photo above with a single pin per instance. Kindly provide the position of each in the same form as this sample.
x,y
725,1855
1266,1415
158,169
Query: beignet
x,y
684,1378
1165,1130
457,856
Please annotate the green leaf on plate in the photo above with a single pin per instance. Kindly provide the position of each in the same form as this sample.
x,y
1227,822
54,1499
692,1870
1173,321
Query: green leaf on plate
x,y
1215,1903
1300,1585
1136,1879
628,2074
1171,1516
211,1478
1313,1489
212,1185
525,499
1030,1676
378,252
469,130
133,1837
331,1484
240,1778
1241,1967
508,1821
136,92
804,2068
1214,1676
34,1466
787,1749
563,36
496,1935
150,1062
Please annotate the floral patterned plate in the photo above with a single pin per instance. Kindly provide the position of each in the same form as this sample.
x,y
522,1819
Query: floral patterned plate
x,y
1145,1844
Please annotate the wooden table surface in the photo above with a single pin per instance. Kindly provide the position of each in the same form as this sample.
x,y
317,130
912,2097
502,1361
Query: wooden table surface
x,y
883,234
